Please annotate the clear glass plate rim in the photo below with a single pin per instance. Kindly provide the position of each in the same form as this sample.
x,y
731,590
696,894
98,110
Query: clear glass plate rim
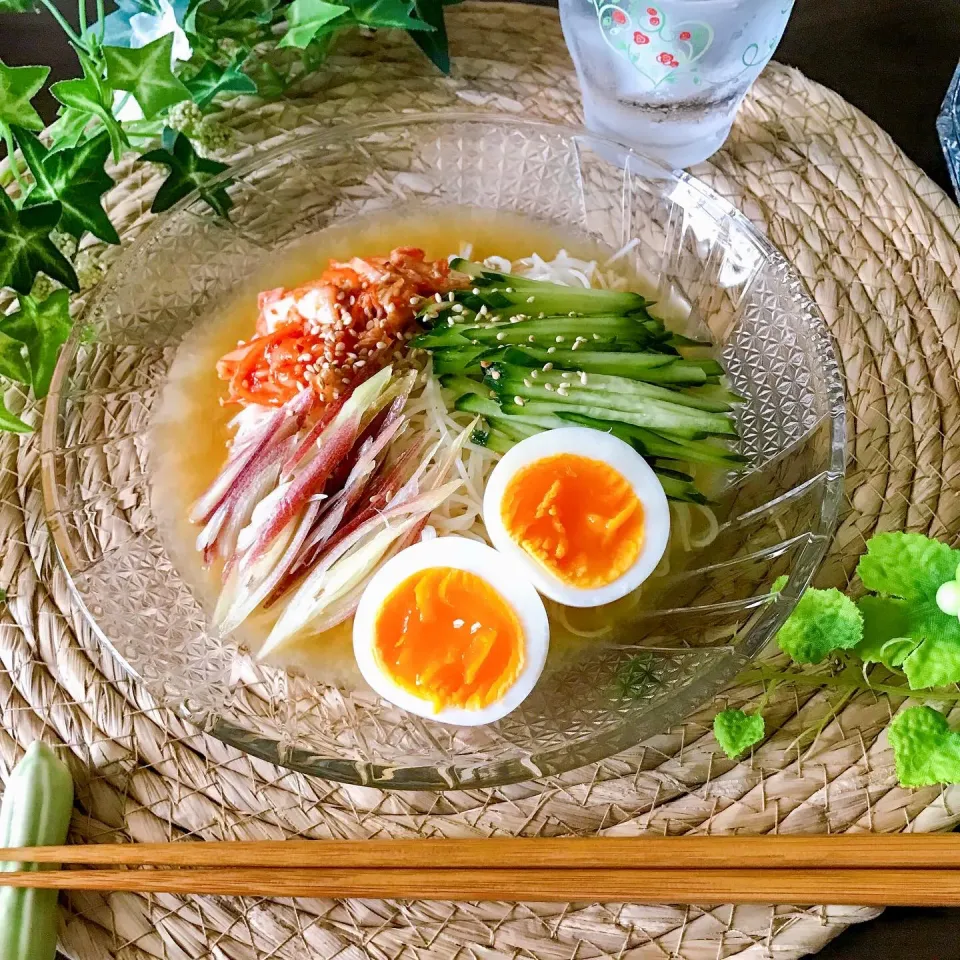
x,y
632,730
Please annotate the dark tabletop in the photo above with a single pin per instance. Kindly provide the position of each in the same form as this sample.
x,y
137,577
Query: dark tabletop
x,y
891,58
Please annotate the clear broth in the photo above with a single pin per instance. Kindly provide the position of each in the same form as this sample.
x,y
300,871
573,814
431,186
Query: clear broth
x,y
189,430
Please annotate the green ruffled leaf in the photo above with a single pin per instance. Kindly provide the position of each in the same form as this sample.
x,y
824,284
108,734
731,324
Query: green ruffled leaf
x,y
18,86
907,565
212,81
821,622
737,731
26,248
886,631
90,95
188,171
74,176
42,327
146,73
925,750
305,19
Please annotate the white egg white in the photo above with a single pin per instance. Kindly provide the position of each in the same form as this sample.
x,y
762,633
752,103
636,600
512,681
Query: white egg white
x,y
584,442
502,574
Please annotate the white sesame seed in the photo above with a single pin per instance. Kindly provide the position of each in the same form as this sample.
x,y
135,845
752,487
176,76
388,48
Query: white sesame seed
x,y
548,386
495,374
561,339
509,290
305,357
501,335
576,344
547,367
451,322
534,374
527,383
519,401
476,291
583,378
458,623
596,336
531,339
566,375
360,363
457,308
438,298
450,297
482,312
414,301
563,390
381,344
572,313
531,299
551,349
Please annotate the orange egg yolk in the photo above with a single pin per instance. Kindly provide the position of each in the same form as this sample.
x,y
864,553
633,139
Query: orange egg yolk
x,y
576,516
446,636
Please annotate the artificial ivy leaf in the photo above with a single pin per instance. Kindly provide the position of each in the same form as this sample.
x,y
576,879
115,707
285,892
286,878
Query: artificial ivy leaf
x,y
76,177
388,13
17,6
18,86
68,129
12,364
271,83
306,17
212,81
434,44
188,171
146,73
737,731
11,423
907,565
43,327
90,95
26,248
925,750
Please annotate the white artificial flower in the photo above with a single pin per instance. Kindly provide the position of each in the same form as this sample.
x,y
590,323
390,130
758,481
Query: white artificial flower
x,y
147,27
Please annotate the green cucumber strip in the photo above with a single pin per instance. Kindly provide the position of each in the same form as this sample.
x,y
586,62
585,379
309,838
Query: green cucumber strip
x,y
462,360
648,367
682,490
510,427
441,336
618,393
461,385
491,410
653,417
545,331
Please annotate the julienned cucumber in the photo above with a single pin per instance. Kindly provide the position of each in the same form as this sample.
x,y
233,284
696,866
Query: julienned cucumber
x,y
35,812
650,367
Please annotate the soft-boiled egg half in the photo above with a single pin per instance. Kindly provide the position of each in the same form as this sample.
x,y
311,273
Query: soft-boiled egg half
x,y
449,629
581,512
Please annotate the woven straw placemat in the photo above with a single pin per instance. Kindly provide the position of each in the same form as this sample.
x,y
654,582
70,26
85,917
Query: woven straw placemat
x,y
876,241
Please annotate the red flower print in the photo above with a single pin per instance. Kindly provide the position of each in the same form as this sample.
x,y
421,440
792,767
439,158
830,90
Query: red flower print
x,y
652,11
654,21
640,38
619,17
674,63
665,57
685,35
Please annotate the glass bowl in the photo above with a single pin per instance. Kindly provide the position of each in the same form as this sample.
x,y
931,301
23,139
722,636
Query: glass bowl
x,y
775,518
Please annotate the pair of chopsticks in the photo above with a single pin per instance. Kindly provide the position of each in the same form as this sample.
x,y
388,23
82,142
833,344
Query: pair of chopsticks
x,y
884,870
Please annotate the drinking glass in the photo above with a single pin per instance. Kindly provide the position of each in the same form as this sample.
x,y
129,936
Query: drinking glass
x,y
668,76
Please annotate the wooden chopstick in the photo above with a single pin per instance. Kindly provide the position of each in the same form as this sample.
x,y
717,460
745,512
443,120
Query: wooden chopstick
x,y
915,852
870,887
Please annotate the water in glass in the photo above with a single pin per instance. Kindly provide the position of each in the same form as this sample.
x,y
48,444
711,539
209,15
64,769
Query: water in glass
x,y
668,76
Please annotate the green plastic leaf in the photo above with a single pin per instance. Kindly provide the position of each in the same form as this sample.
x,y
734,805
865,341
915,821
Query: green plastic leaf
x,y
18,86
212,81
68,129
907,565
146,73
925,750
11,423
90,95
822,621
42,327
18,6
388,13
305,18
886,631
737,731
12,362
26,248
74,176
434,44
188,171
